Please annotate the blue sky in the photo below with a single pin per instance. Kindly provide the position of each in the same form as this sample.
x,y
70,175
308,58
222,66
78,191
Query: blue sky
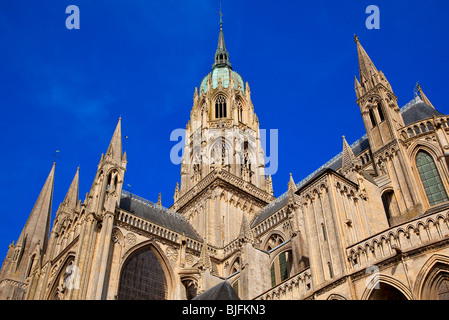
x,y
65,89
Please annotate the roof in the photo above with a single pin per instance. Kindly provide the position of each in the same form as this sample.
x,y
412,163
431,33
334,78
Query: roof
x,y
413,111
224,74
222,291
418,111
268,210
157,214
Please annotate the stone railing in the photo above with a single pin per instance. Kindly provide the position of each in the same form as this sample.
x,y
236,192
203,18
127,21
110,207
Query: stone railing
x,y
293,288
231,247
408,236
155,229
423,127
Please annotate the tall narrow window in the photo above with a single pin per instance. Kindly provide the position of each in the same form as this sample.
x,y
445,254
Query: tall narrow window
x,y
430,178
381,114
239,111
220,107
371,116
323,228
281,267
331,272
390,205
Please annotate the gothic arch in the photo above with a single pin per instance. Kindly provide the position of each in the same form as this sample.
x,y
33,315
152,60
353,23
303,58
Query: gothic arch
x,y
242,113
221,106
390,203
233,265
424,149
163,260
269,237
335,296
217,146
387,283
190,283
427,146
434,270
56,288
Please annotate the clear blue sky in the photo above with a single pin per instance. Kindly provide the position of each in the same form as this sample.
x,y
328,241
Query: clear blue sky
x,y
65,89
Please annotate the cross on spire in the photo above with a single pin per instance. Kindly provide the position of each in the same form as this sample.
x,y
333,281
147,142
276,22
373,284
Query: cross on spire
x,y
221,16
221,55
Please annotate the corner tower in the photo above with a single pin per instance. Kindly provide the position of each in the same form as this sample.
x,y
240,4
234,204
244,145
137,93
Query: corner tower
x,y
383,120
223,153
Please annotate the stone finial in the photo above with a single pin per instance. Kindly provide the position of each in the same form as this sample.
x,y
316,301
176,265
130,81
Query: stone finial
x,y
246,234
423,96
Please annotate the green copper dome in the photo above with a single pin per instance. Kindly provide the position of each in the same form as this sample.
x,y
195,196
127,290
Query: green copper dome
x,y
223,73
222,68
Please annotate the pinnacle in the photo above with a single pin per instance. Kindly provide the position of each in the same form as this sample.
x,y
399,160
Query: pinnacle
x,y
366,66
114,151
424,97
71,198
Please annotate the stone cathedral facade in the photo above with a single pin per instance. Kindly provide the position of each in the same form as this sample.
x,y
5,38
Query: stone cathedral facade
x,y
372,223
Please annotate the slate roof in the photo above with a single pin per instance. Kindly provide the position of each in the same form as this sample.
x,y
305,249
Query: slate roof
x,y
222,291
413,111
418,111
157,214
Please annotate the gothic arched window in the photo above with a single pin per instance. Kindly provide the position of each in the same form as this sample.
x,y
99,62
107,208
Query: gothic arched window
x,y
280,268
273,242
430,178
443,290
142,277
239,111
220,107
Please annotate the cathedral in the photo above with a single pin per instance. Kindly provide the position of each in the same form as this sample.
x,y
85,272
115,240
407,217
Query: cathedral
x,y
370,224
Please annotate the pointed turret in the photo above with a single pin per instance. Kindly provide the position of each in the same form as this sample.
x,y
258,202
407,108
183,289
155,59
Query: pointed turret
x,y
71,199
159,200
347,156
424,97
369,75
114,152
37,227
221,55
205,263
349,162
246,234
366,66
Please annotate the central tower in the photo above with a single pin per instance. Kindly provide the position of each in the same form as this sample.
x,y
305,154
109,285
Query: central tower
x,y
222,168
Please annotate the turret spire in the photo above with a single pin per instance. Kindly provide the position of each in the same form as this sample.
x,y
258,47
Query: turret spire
x,y
114,152
366,66
71,198
221,55
37,227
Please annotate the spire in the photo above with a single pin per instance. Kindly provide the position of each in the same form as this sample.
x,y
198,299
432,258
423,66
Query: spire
x,y
291,183
291,190
245,230
37,227
114,152
71,199
424,97
221,55
348,160
366,66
